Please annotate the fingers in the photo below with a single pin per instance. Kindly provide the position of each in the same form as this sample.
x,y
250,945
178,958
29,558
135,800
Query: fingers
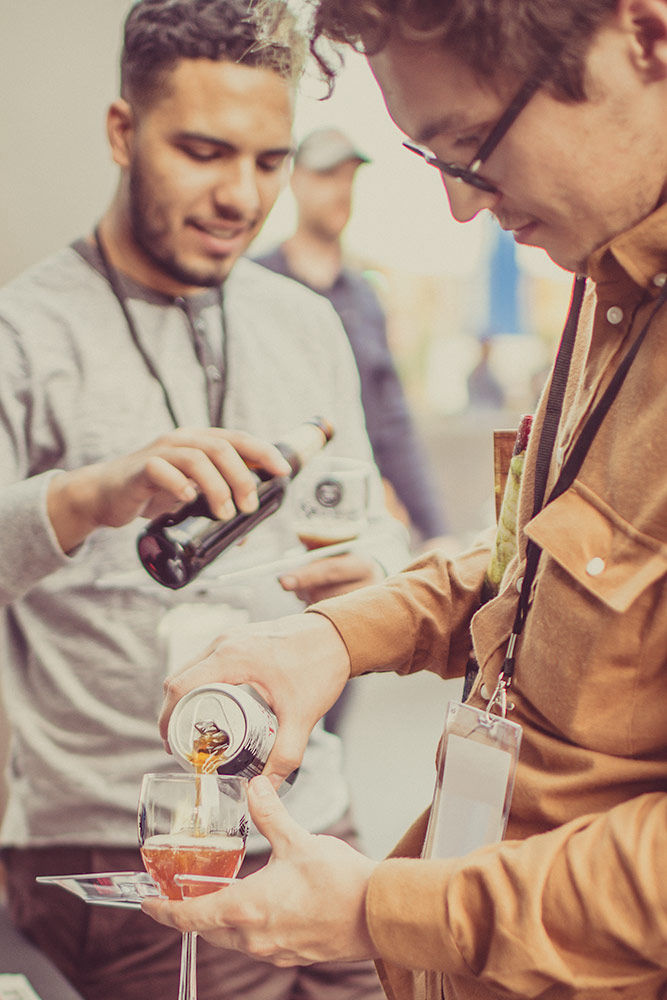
x,y
215,910
169,479
189,915
288,750
205,670
308,904
330,576
225,660
271,817
215,461
277,659
158,478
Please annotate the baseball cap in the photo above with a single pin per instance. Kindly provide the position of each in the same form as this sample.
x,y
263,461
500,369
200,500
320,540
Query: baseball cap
x,y
326,148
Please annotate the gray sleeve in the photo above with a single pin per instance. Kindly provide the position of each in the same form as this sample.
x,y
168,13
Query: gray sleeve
x,y
29,549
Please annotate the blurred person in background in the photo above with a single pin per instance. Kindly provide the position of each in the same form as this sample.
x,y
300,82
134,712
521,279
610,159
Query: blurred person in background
x,y
484,390
325,167
551,116
142,365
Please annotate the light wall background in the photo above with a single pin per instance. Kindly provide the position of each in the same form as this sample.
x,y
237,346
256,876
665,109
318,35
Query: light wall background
x,y
57,75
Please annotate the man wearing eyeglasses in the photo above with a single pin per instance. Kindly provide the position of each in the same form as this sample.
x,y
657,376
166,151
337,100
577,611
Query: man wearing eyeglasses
x,y
551,116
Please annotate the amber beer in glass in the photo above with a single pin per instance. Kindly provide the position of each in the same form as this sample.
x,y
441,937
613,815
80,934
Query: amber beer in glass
x,y
330,501
192,827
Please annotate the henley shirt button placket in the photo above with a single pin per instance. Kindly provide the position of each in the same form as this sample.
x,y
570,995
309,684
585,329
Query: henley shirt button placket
x,y
615,315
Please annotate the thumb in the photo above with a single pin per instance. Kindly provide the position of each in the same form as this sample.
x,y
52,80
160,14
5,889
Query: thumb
x,y
270,816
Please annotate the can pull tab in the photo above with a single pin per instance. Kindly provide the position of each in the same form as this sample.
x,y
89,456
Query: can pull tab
x,y
208,746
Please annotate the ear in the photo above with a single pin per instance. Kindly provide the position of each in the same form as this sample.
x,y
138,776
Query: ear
x,y
120,128
646,21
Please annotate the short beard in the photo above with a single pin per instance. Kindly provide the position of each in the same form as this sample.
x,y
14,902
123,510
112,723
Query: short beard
x,y
150,235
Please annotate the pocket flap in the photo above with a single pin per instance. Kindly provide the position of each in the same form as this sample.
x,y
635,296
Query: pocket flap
x,y
604,553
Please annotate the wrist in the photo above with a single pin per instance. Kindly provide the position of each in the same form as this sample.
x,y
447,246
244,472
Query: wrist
x,y
70,505
331,646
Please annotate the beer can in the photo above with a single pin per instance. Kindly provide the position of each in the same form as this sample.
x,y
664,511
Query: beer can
x,y
249,723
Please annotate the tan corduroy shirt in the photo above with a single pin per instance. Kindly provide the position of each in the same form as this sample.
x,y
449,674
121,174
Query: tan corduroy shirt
x,y
573,904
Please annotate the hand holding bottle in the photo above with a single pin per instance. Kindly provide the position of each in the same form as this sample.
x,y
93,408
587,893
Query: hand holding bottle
x,y
168,472
175,547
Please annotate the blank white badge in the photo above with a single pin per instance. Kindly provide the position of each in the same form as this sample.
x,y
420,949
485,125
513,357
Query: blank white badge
x,y
474,784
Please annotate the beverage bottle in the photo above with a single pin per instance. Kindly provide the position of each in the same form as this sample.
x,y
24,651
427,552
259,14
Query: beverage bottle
x,y
175,547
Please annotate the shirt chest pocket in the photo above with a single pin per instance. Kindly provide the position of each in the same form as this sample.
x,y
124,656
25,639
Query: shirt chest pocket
x,y
613,561
593,646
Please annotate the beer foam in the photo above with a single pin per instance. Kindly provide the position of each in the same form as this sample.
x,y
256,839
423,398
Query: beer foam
x,y
190,841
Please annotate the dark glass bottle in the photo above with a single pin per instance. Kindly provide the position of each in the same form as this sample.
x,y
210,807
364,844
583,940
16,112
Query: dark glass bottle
x,y
175,547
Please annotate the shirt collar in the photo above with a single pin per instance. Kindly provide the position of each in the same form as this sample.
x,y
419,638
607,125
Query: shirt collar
x,y
641,252
135,290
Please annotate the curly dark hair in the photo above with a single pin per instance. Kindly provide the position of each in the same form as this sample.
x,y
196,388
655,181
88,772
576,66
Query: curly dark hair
x,y
159,33
523,38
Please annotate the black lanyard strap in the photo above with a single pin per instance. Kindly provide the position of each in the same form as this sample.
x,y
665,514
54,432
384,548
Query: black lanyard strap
x,y
119,293
571,466
554,404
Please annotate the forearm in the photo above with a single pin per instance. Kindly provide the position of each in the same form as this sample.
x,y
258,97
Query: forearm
x,y
416,620
583,905
70,505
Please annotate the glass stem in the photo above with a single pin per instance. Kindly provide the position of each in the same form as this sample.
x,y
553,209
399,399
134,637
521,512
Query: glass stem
x,y
187,987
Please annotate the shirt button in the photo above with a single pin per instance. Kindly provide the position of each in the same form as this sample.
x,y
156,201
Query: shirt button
x,y
595,566
179,301
200,326
615,315
213,373
560,454
660,279
519,584
485,693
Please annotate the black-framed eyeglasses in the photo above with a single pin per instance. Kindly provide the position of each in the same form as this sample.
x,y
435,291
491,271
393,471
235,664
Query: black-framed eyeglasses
x,y
470,174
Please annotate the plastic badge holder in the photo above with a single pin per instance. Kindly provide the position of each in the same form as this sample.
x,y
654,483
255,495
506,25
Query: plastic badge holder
x,y
127,889
475,781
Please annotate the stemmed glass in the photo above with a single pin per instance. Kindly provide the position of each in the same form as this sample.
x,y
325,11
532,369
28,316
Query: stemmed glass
x,y
192,835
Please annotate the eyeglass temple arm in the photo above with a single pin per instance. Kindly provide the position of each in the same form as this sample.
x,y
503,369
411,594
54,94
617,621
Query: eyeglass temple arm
x,y
415,149
503,124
